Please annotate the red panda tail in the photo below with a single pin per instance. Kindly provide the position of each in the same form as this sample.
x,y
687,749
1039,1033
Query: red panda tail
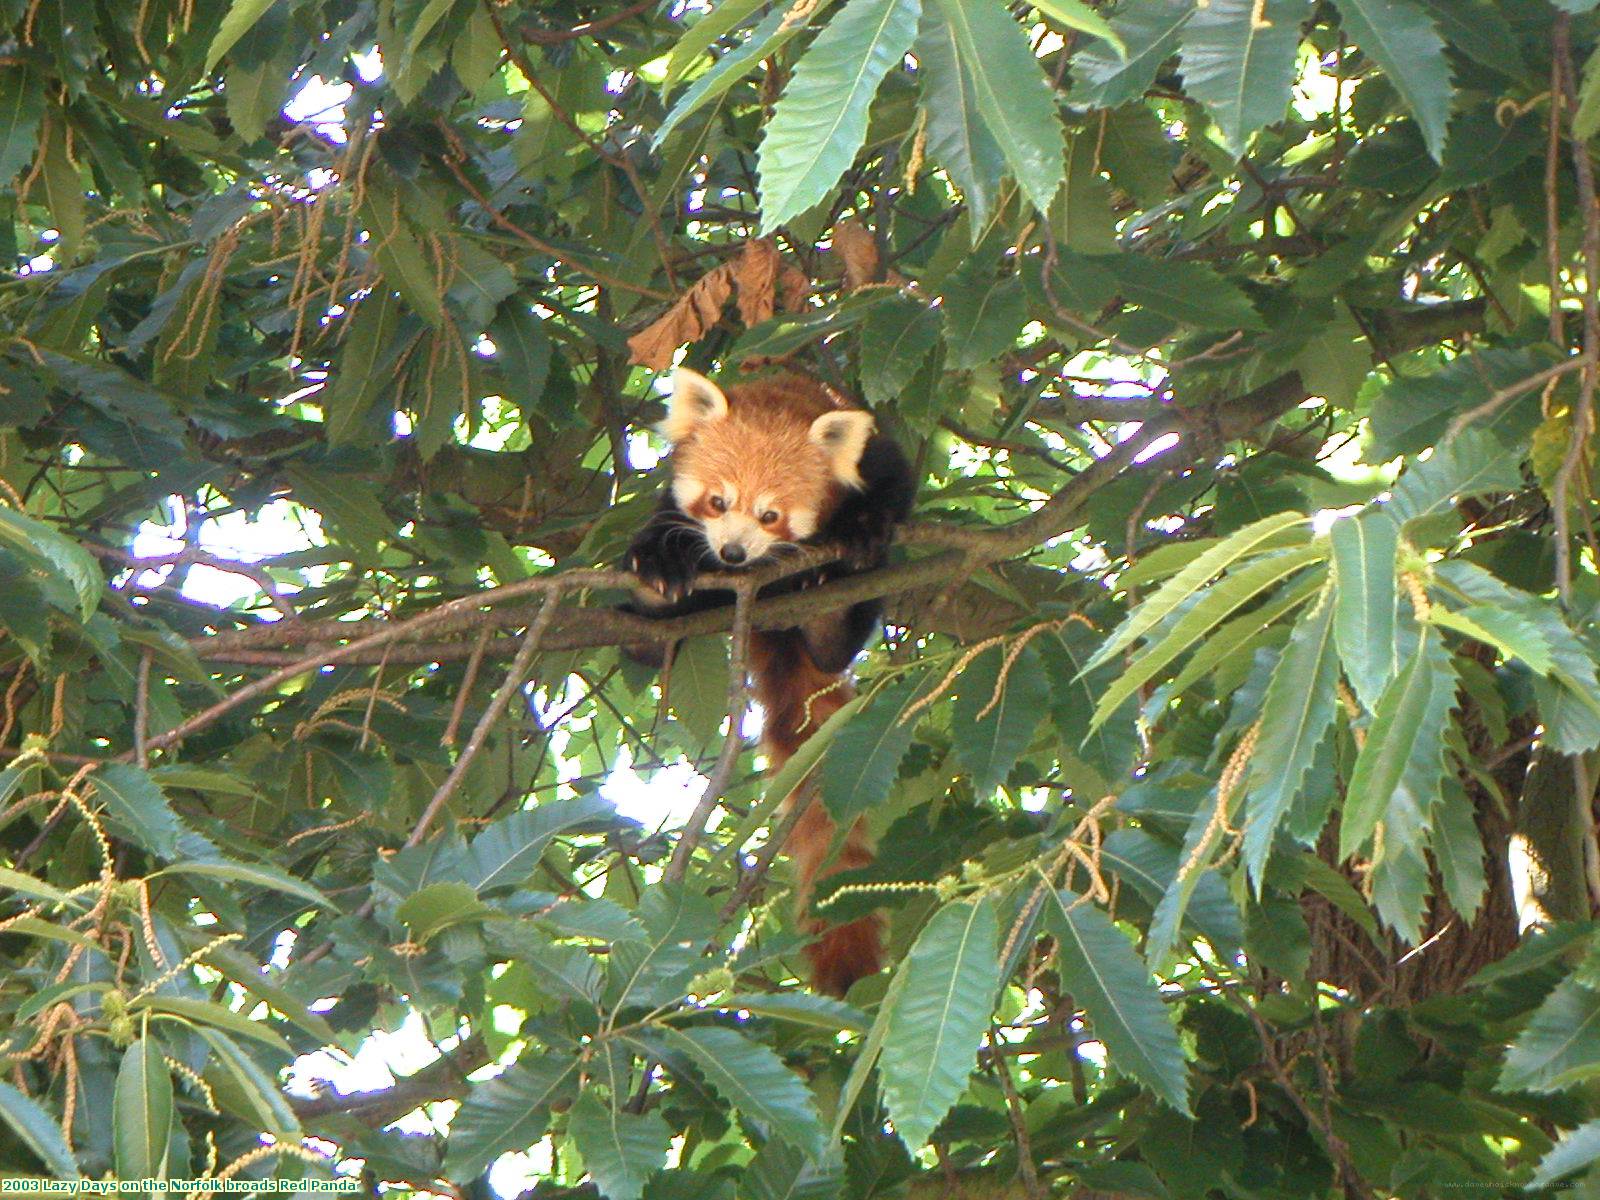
x,y
796,697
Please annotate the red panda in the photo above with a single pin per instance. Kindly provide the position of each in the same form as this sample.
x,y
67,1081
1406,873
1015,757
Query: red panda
x,y
765,466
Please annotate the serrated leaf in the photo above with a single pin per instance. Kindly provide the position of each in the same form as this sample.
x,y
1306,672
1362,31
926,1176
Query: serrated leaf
x,y
1190,292
1458,849
21,109
861,763
1240,633
34,1127
506,852
952,973
522,354
1400,37
266,1107
1561,1044
621,1150
820,121
257,874
399,253
1150,30
57,552
202,1014
765,40
1508,632
754,1080
958,139
1075,14
142,1108
439,906
1414,411
895,340
1151,864
990,745
1470,464
699,37
139,805
1012,94
697,686
1296,715
1399,770
982,317
802,1008
1216,559
509,1112
1238,59
1103,972
1575,1151
1219,601
241,15
1365,585
361,375
1585,121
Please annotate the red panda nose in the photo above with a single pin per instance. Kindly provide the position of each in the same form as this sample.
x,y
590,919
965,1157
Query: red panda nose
x,y
733,554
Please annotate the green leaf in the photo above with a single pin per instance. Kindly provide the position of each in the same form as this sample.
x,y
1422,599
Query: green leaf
x,y
1458,849
802,1008
895,340
989,745
820,121
958,139
522,354
1252,539
700,36
438,906
37,1132
265,1106
1220,601
1561,1044
21,110
399,253
1012,94
27,885
1238,59
75,564
1075,14
620,1149
1400,37
1573,1152
1239,634
1400,768
241,15
506,852
1190,292
1103,972
142,1108
1585,121
1470,464
952,973
140,806
1150,30
860,766
1296,715
1508,632
362,374
1151,864
1414,411
765,40
697,686
1365,586
257,874
754,1080
982,317
203,1014
509,1112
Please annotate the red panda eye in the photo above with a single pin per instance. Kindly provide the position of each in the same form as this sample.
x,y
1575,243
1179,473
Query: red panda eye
x,y
718,504
769,517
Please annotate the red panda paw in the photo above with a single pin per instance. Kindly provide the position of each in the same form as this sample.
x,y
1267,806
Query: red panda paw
x,y
844,954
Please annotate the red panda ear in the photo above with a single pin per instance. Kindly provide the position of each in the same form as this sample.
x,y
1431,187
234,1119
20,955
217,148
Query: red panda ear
x,y
694,401
843,436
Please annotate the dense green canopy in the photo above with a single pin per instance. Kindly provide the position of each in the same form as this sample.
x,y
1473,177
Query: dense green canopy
x,y
1232,748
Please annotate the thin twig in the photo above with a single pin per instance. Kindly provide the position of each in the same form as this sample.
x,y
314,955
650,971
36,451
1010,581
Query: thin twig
x,y
717,783
1510,392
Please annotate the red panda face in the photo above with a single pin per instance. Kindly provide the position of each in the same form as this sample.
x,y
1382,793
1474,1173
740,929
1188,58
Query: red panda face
x,y
756,477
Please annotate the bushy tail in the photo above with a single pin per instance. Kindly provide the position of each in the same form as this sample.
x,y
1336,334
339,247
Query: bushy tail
x,y
796,697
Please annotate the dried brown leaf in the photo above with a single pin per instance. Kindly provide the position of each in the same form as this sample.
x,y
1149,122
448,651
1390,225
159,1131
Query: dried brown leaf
x,y
793,288
756,272
696,311
857,251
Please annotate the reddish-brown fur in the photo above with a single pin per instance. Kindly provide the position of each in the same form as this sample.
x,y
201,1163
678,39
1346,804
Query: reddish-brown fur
x,y
785,679
763,447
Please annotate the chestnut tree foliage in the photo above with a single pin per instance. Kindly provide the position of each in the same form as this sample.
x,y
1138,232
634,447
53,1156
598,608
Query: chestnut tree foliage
x,y
1232,747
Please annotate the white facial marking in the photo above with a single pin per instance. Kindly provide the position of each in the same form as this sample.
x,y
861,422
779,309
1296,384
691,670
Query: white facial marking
x,y
802,523
738,528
